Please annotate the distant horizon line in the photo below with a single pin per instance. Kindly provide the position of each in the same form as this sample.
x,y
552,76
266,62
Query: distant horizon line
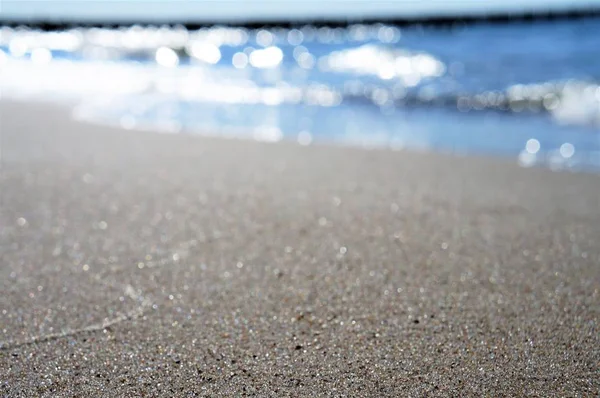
x,y
443,19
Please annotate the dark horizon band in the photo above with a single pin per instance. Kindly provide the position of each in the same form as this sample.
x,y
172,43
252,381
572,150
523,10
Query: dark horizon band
x,y
441,21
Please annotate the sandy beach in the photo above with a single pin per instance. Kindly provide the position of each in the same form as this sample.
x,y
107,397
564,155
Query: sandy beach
x,y
145,264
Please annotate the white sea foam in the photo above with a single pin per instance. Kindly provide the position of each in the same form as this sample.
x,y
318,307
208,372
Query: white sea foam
x,y
129,77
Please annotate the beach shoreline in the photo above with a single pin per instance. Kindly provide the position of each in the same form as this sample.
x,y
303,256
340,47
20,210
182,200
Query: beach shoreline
x,y
171,265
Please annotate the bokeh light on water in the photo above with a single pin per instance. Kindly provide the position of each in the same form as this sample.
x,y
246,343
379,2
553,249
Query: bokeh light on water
x,y
524,90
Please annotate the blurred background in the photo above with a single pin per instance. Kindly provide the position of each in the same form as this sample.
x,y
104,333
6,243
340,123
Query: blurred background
x,y
509,78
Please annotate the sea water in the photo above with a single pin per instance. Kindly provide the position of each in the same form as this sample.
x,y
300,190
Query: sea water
x,y
525,90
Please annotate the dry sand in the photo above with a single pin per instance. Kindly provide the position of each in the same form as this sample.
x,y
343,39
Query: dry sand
x,y
141,264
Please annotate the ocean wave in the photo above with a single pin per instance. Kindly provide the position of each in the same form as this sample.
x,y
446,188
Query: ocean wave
x,y
362,84
567,102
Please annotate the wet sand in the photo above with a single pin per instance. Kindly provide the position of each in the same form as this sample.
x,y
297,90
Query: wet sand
x,y
143,264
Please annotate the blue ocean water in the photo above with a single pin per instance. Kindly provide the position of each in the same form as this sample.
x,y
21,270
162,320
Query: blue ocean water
x,y
527,90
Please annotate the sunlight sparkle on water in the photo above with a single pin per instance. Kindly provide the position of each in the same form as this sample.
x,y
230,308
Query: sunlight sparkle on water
x,y
567,150
239,60
532,146
167,57
270,57
205,52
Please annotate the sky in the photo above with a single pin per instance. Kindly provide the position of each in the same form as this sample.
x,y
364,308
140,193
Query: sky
x,y
239,10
